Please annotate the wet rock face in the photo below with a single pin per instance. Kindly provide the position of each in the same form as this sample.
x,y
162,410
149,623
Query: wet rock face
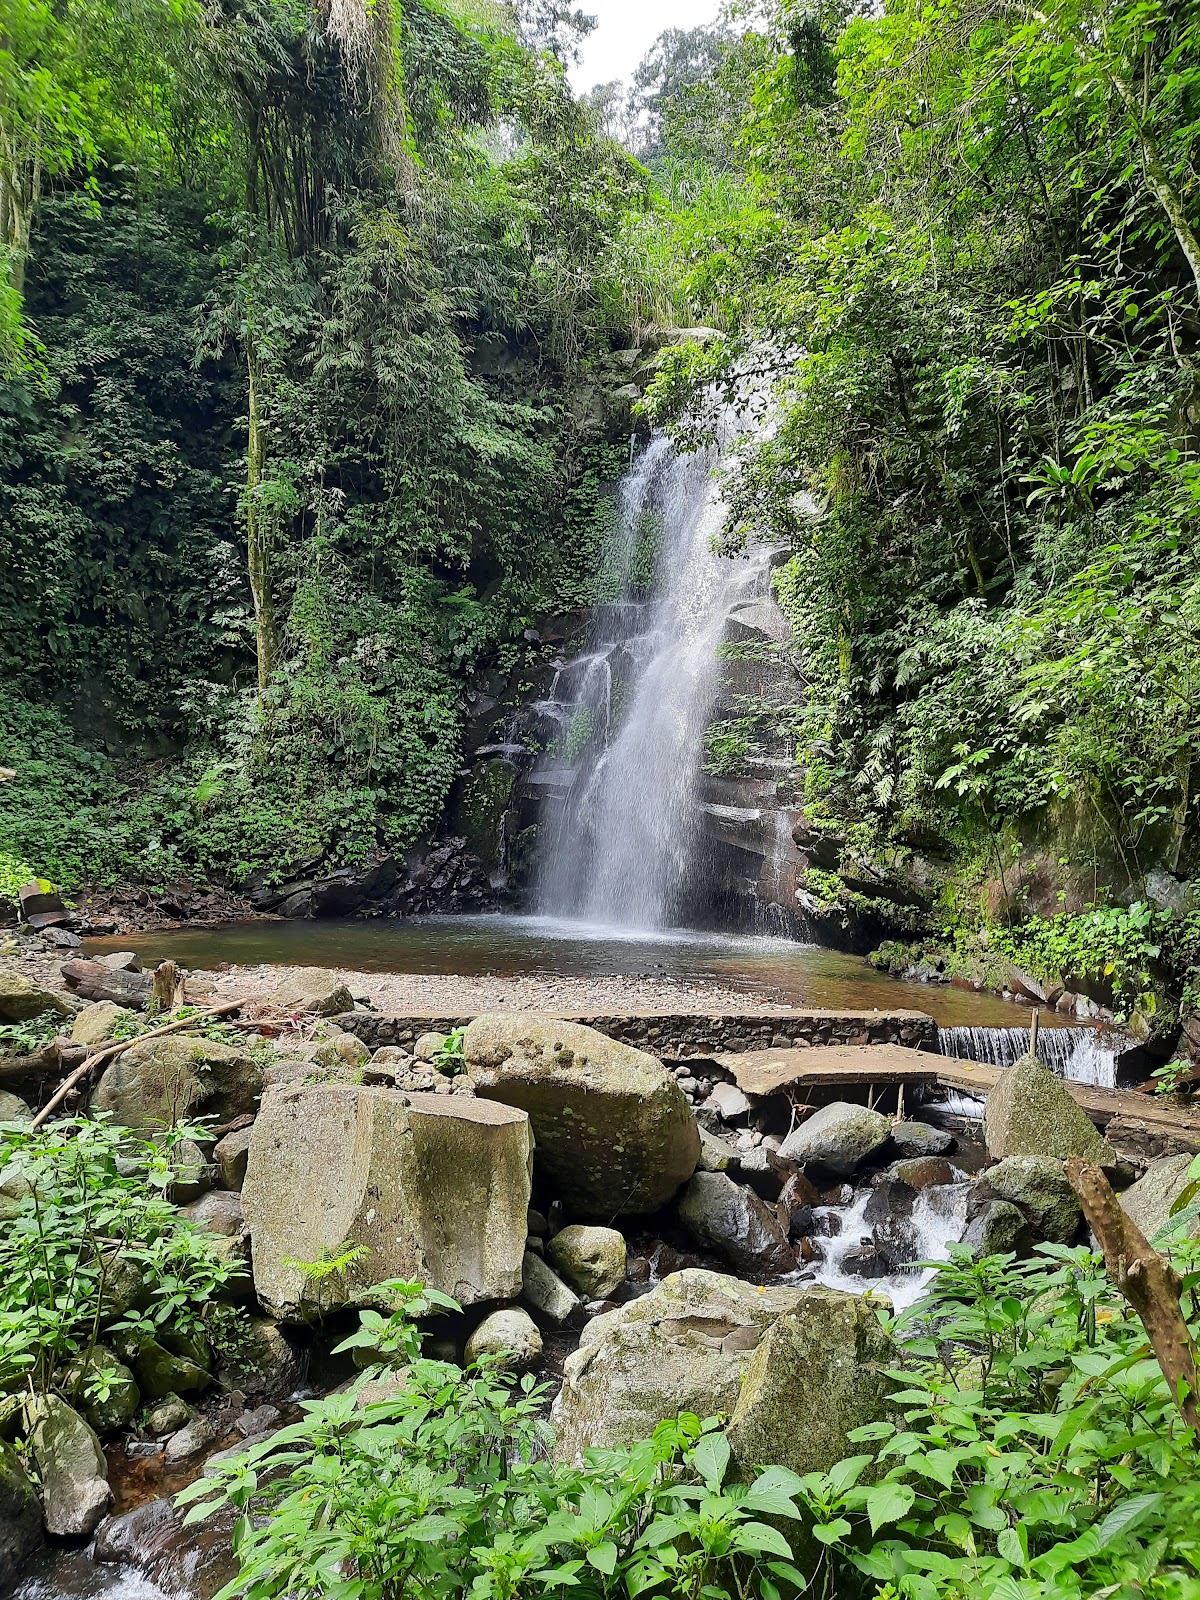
x,y
1030,1112
195,1561
838,1138
20,1519
682,1347
614,1133
432,1187
819,1373
732,1221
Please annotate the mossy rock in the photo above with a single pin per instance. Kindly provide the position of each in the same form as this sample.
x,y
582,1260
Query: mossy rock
x,y
1030,1112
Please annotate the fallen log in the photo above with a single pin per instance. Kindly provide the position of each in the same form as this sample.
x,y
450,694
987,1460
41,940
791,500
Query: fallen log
x,y
1146,1279
110,1051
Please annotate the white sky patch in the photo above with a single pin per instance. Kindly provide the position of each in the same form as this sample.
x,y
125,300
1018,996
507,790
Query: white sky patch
x,y
625,30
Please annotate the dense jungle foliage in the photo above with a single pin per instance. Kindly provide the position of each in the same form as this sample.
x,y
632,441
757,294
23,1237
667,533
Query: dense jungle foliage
x,y
960,242
301,425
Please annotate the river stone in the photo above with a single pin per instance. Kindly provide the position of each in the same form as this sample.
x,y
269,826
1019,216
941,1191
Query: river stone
x,y
21,1000
312,990
168,1416
923,1172
682,1347
511,1334
1030,1112
592,1260
996,1228
435,1188
193,1437
119,1407
919,1139
819,1373
13,1108
1148,1202
545,1292
615,1135
428,1046
229,1157
1038,1187
732,1221
161,1082
160,1372
70,1463
20,1519
839,1138
716,1154
95,1023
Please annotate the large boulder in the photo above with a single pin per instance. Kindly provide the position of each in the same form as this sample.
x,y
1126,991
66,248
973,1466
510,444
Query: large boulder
x,y
729,1219
592,1260
426,1187
1148,1202
1030,1112
819,1373
615,1135
160,1372
161,1082
70,1463
20,1519
21,1000
682,1347
1038,1187
313,990
839,1138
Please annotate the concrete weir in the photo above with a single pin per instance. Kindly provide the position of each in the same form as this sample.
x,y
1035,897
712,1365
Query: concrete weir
x,y
829,1055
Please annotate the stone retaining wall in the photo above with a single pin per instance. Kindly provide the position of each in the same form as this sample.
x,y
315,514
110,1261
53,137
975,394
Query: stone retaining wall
x,y
683,1034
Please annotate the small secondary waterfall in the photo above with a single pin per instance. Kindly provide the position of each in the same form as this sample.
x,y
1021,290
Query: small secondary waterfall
x,y
623,846
1084,1055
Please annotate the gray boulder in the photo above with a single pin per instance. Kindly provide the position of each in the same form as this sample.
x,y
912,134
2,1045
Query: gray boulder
x,y
432,1188
312,990
70,1463
1030,1112
21,1000
193,1437
819,1373
1038,1187
168,1416
13,1108
592,1260
1148,1202
161,1082
839,1137
615,1135
545,1292
229,1158
732,1221
920,1139
509,1334
682,1347
20,1519
160,1372
94,1025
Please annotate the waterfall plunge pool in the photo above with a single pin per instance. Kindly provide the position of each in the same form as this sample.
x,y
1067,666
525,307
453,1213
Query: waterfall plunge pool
x,y
778,971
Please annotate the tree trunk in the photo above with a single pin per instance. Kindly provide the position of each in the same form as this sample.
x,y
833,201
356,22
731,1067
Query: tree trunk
x,y
258,531
1158,180
1146,1279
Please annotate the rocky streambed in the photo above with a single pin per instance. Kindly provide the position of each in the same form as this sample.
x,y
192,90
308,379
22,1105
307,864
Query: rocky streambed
x,y
638,1230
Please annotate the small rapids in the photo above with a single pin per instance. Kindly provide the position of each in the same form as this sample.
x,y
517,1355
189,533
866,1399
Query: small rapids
x,y
1081,1055
939,1216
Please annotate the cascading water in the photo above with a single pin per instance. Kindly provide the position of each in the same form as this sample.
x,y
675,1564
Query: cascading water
x,y
1082,1055
623,848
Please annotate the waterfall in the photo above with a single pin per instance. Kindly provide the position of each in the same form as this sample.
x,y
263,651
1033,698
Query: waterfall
x,y
621,845
1083,1055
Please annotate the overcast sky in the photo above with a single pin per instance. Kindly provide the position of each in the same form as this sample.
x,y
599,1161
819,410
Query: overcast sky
x,y
626,29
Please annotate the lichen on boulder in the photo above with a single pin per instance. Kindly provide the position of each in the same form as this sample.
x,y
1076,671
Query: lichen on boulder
x,y
1030,1112
615,1134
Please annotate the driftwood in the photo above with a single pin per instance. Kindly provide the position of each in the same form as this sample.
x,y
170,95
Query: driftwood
x,y
168,985
57,1056
109,1052
92,981
1146,1279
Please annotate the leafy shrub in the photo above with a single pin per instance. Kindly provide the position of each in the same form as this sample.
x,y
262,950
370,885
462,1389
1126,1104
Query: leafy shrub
x,y
87,1203
1118,944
